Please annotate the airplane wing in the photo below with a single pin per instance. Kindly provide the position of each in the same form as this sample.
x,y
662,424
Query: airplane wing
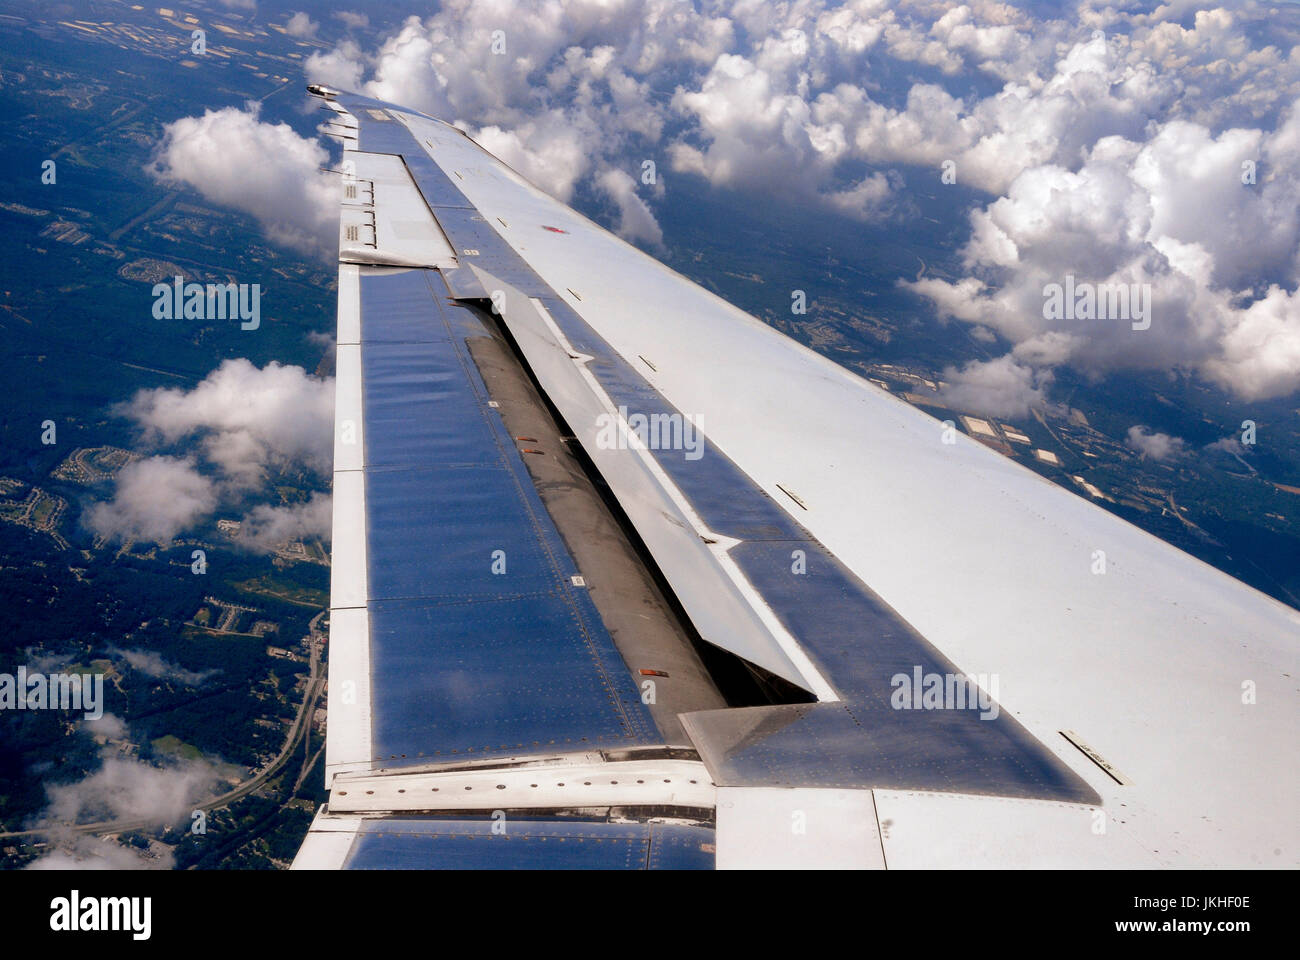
x,y
623,577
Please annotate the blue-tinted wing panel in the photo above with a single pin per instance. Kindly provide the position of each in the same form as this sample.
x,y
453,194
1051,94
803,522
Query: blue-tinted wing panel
x,y
480,642
530,845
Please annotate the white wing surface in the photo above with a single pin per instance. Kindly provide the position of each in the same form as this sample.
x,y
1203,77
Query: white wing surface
x,y
813,528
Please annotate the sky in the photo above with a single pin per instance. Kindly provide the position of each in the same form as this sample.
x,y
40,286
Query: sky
x,y
1150,149
1154,146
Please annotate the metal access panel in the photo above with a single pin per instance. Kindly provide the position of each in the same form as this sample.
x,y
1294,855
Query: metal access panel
x,y
791,829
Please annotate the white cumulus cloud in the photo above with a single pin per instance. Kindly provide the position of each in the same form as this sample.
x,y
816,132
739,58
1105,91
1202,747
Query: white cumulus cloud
x,y
635,221
247,418
130,789
1110,142
243,424
153,665
996,388
266,526
301,25
1157,446
267,170
155,500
